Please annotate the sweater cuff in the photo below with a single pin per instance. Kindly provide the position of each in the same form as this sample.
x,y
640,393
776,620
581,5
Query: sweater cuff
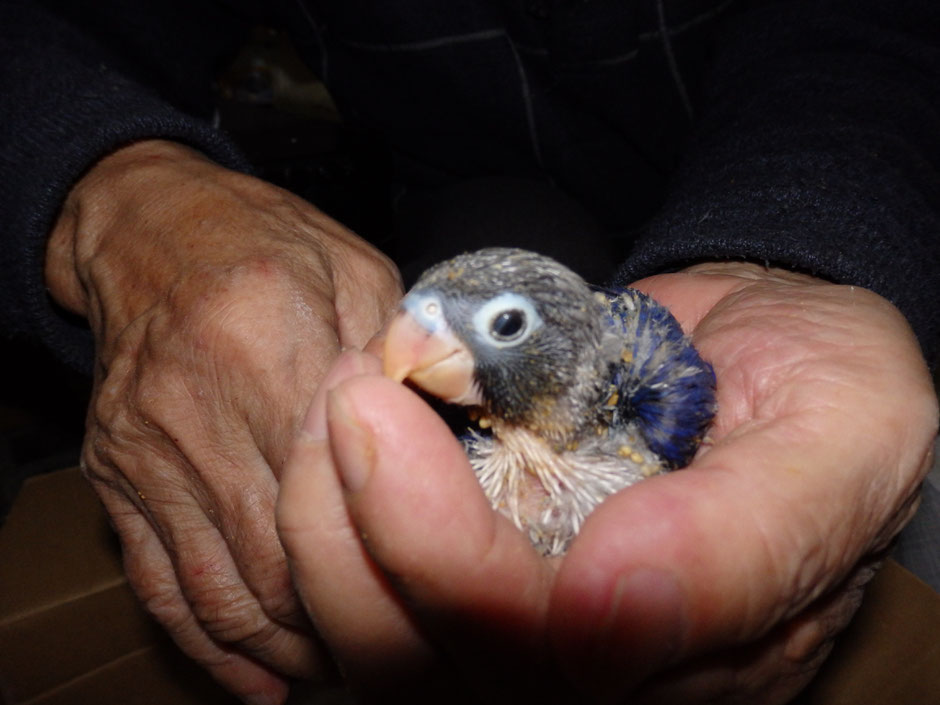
x,y
68,102
65,334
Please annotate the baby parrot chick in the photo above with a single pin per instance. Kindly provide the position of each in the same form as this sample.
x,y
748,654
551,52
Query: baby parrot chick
x,y
578,392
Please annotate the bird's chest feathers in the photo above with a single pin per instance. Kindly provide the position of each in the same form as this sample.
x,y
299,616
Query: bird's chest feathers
x,y
546,491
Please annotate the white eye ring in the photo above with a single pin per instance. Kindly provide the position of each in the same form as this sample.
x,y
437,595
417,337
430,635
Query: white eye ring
x,y
508,303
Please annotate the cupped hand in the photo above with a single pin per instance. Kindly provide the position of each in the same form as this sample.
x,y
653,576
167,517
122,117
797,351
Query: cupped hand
x,y
217,302
723,582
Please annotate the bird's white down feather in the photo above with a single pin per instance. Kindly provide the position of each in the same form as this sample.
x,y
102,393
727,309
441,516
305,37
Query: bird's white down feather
x,y
548,494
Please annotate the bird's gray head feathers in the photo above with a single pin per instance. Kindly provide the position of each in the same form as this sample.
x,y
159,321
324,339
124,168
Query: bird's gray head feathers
x,y
531,326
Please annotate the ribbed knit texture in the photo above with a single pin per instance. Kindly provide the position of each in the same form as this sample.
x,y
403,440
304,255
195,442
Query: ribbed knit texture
x,y
66,103
818,149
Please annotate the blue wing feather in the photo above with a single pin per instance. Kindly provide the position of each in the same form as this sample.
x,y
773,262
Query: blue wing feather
x,y
664,386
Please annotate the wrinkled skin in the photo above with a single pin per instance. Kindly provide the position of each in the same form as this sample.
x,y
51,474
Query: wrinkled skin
x,y
725,582
217,302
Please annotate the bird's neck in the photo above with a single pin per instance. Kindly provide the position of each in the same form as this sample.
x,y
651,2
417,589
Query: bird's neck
x,y
559,422
560,414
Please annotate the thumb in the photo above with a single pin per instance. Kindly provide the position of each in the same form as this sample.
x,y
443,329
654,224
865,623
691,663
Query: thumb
x,y
472,579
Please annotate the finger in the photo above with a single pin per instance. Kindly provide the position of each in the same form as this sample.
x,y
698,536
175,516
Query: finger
x,y
376,344
474,580
204,570
234,609
357,613
711,556
241,510
771,670
151,575
368,287
210,491
670,291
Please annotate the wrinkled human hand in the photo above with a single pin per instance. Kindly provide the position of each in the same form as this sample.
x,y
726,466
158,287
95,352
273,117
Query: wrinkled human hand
x,y
723,582
217,302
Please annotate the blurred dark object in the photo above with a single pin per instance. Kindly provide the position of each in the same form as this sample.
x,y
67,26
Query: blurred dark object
x,y
284,119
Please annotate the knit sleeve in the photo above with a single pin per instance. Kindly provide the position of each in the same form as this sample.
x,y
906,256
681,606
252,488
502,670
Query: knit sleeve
x,y
71,94
817,148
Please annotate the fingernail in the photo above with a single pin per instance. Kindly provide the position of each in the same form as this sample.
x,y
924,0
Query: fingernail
x,y
352,444
314,425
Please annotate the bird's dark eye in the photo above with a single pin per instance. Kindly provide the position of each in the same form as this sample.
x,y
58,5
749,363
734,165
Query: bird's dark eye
x,y
506,320
508,324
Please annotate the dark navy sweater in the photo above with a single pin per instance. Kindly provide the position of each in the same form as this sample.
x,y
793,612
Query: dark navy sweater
x,y
799,133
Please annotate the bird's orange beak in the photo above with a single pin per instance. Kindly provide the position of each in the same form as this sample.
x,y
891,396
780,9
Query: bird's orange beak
x,y
431,357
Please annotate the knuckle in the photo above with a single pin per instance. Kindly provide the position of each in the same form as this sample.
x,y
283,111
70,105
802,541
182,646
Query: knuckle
x,y
157,404
279,600
221,603
266,569
124,437
161,600
157,590
240,317
374,269
230,606
108,407
230,615
127,410
95,462
105,461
